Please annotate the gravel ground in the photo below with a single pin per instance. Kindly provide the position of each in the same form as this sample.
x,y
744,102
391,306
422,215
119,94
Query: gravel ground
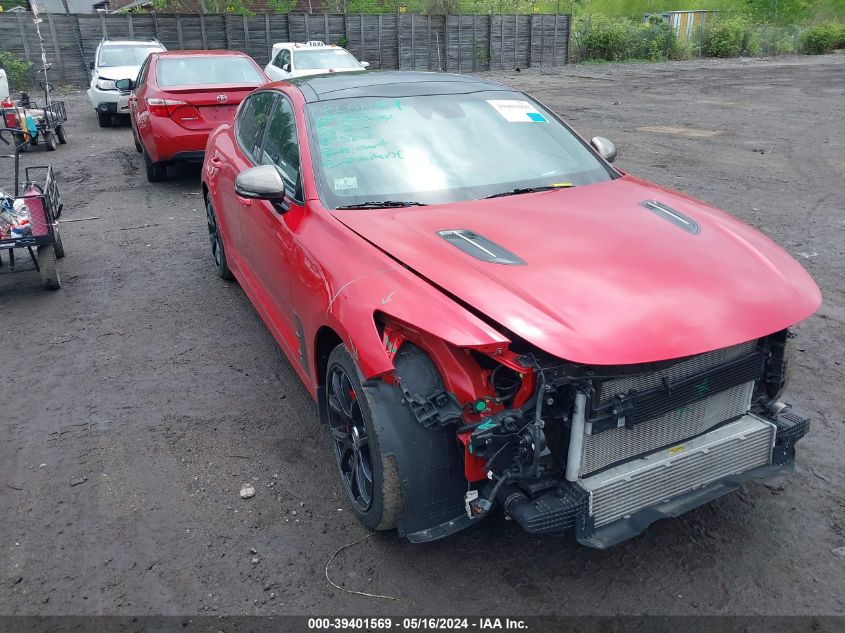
x,y
159,384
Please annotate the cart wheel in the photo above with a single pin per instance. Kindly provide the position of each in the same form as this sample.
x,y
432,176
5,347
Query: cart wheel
x,y
60,249
48,267
156,172
104,118
50,141
60,133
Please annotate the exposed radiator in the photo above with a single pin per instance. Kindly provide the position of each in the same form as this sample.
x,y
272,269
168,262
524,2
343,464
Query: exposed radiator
x,y
736,447
618,444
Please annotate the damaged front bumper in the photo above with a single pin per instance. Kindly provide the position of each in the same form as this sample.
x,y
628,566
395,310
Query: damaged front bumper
x,y
623,501
619,503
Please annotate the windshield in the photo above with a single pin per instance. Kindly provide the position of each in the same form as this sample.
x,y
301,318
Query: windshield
x,y
443,148
211,70
324,58
111,56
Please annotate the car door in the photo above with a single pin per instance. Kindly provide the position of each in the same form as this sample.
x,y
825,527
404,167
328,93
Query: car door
x,y
231,160
267,227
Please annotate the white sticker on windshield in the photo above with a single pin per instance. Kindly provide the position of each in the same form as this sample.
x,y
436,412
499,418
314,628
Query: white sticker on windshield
x,y
515,111
345,183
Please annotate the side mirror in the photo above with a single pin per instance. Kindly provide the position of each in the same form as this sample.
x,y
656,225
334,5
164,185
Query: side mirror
x,y
604,147
261,183
286,67
365,64
124,85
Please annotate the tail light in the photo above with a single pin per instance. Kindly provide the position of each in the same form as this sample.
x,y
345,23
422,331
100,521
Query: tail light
x,y
179,111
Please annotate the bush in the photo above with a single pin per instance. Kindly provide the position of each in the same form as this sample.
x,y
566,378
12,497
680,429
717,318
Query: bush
x,y
606,38
822,38
729,37
776,40
17,71
614,39
654,41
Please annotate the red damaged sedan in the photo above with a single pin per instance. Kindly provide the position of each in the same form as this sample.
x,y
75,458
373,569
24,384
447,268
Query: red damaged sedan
x,y
179,97
489,314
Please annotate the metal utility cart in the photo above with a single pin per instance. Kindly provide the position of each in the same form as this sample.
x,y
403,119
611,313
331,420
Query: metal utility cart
x,y
33,122
37,200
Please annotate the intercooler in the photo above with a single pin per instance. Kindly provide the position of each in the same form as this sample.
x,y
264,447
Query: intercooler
x,y
692,418
734,448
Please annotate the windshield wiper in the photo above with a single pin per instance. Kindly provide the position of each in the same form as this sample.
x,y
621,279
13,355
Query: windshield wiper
x,y
516,192
383,204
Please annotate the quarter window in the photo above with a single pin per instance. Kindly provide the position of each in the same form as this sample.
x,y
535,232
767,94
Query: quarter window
x,y
251,121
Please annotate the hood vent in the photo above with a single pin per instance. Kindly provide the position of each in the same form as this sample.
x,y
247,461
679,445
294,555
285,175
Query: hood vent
x,y
675,217
480,247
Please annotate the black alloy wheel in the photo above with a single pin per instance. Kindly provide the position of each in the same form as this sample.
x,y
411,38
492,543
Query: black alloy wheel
x,y
351,439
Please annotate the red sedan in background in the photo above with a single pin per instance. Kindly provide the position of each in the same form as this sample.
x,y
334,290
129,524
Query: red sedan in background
x,y
180,97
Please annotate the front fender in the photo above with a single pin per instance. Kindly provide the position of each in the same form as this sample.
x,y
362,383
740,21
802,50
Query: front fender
x,y
401,295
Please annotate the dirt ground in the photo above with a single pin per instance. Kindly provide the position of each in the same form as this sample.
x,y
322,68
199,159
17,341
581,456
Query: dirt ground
x,y
158,383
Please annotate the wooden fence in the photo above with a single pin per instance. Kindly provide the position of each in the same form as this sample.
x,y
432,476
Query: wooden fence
x,y
453,43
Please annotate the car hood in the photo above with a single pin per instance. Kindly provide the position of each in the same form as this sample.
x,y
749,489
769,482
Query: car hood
x,y
118,72
604,279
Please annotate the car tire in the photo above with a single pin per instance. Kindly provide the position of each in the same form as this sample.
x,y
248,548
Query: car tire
x,y
371,482
61,134
48,267
104,119
218,253
156,172
138,147
50,141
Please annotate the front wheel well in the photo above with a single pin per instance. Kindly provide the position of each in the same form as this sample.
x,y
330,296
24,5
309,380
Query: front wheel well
x,y
324,342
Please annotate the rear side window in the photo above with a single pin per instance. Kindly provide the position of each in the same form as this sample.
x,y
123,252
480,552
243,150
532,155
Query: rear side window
x,y
252,119
281,146
213,70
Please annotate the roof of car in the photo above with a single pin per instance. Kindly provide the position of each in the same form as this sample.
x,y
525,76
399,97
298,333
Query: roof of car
x,y
305,45
201,53
389,83
130,43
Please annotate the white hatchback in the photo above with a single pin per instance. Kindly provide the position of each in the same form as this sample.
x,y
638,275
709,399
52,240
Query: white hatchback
x,y
292,59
